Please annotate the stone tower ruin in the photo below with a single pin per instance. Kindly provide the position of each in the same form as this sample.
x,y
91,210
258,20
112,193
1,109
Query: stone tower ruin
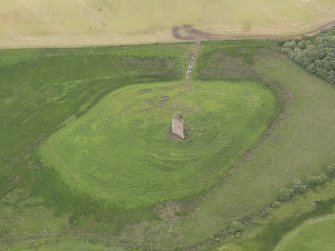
x,y
178,125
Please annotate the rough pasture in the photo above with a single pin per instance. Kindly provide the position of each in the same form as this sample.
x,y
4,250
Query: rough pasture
x,y
43,90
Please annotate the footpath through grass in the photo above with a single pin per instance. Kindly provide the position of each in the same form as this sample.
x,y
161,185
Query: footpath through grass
x,y
122,150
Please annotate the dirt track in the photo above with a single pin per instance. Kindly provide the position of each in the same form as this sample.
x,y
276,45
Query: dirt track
x,y
193,58
188,32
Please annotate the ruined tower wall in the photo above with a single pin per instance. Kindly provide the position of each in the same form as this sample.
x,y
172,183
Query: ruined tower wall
x,y
178,126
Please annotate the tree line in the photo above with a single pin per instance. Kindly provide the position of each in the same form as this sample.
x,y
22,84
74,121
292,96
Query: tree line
x,y
316,54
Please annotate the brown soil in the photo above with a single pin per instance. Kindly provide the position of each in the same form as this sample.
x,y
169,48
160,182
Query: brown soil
x,y
188,32
164,98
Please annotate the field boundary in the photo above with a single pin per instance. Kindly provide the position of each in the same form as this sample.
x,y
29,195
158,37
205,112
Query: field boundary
x,y
188,32
178,33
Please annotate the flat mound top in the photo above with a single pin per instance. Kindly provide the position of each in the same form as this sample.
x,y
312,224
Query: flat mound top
x,y
122,151
314,234
90,22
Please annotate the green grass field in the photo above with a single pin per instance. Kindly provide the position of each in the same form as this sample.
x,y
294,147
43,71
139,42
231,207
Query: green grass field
x,y
62,244
40,90
315,234
267,232
46,92
122,150
90,22
296,147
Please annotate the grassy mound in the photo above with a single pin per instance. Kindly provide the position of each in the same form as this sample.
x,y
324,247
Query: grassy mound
x,y
315,234
122,150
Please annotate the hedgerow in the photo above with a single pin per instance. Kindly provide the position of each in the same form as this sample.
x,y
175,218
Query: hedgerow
x,y
300,187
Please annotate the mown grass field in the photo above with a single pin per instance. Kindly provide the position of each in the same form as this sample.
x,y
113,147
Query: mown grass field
x,y
89,22
122,150
44,90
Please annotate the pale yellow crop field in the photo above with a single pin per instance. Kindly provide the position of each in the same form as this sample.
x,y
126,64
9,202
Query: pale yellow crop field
x,y
32,23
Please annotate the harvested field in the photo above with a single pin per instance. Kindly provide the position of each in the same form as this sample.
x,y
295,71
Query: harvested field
x,y
45,23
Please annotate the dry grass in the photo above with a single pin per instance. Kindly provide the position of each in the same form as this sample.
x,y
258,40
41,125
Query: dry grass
x,y
86,22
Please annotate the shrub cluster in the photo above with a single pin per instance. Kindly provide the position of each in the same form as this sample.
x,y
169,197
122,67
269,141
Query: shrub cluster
x,y
299,187
236,228
284,195
331,170
316,54
276,204
315,181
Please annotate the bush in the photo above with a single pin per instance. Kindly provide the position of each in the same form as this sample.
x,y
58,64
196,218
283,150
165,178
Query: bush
x,y
291,192
303,189
276,204
314,181
319,180
284,195
324,177
331,171
316,54
236,227
291,44
299,187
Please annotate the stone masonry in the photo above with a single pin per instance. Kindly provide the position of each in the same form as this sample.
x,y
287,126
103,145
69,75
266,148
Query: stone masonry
x,y
178,125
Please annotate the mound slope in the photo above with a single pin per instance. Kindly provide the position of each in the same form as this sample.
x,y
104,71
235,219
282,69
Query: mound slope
x,y
121,151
